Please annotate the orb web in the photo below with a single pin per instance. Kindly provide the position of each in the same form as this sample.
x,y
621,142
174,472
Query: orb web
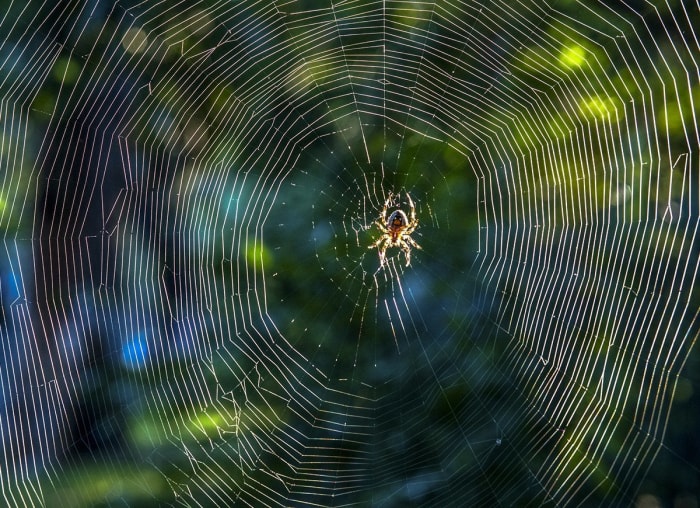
x,y
192,309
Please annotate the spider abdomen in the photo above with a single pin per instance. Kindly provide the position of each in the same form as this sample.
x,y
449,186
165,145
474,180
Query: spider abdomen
x,y
397,221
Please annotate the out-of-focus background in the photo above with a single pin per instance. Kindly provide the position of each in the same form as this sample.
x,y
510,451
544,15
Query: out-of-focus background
x,y
192,310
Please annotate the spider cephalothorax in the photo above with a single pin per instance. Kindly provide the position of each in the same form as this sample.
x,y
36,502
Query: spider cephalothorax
x,y
396,230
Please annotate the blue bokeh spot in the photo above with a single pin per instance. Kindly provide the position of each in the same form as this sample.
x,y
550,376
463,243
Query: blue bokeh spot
x,y
135,352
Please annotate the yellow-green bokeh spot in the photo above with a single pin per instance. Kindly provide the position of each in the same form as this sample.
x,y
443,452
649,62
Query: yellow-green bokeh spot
x,y
258,255
671,118
598,107
101,485
66,70
676,110
10,216
206,424
572,57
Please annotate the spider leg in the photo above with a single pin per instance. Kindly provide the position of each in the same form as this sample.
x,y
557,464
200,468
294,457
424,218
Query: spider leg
x,y
382,244
378,242
413,209
386,206
410,228
382,257
406,250
410,240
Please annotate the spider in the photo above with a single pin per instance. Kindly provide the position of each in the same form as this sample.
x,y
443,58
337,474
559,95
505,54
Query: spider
x,y
396,230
